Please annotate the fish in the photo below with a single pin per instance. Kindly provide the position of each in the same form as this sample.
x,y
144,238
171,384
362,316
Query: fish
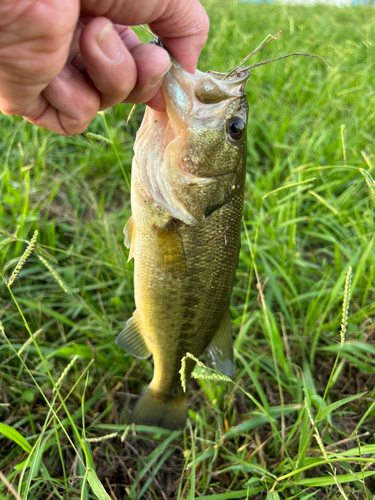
x,y
187,191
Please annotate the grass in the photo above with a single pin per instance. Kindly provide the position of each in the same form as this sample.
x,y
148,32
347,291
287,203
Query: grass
x,y
297,421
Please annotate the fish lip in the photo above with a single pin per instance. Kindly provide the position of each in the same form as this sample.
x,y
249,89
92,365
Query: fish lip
x,y
244,75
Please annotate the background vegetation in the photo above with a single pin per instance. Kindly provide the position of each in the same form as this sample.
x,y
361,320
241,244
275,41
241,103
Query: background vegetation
x,y
298,420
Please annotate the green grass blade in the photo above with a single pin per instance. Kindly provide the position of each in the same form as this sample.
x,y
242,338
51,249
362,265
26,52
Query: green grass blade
x,y
333,406
14,435
96,485
329,481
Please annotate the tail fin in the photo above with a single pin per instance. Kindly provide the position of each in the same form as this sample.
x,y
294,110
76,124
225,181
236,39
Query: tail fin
x,y
160,411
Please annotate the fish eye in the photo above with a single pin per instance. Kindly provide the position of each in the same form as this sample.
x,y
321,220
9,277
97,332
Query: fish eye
x,y
236,128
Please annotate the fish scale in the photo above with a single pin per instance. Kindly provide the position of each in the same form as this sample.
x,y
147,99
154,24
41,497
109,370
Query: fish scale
x,y
184,235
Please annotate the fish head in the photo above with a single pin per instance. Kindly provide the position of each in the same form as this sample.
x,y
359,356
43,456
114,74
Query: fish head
x,y
208,114
193,156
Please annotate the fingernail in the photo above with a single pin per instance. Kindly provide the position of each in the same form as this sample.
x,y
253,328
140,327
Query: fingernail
x,y
156,79
110,43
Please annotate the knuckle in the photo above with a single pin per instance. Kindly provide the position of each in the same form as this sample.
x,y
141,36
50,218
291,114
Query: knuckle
x,y
118,91
8,110
77,128
73,126
90,106
204,23
118,86
83,115
196,20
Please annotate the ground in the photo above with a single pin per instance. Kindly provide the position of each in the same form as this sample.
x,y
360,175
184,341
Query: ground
x,y
298,419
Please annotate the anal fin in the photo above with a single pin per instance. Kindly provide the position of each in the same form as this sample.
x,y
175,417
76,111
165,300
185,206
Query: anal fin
x,y
130,339
219,352
129,240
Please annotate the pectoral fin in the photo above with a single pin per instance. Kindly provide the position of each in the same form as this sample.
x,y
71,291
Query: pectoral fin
x,y
130,339
219,352
171,250
129,240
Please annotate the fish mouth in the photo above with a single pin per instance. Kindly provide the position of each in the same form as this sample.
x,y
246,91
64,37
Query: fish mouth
x,y
214,87
185,93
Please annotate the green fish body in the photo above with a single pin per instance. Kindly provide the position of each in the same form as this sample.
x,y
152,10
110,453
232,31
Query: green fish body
x,y
188,180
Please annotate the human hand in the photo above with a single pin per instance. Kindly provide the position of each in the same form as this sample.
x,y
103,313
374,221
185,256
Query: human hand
x,y
61,61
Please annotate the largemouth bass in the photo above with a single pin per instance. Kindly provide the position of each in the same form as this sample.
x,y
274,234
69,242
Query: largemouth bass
x,y
188,178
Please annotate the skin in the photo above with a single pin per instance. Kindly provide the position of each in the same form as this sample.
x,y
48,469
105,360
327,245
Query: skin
x,y
63,61
183,272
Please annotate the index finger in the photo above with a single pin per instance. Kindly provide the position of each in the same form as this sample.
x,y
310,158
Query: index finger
x,y
184,32
181,25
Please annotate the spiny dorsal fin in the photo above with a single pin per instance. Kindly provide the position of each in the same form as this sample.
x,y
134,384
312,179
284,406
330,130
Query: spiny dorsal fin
x,y
131,340
129,240
219,352
171,250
